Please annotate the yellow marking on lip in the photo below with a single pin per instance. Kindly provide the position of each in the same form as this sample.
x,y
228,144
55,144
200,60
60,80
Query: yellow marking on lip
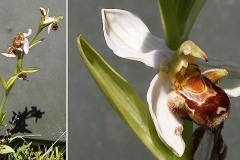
x,y
220,109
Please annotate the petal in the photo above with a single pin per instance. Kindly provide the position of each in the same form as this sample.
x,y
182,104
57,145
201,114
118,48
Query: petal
x,y
231,83
43,11
26,46
48,20
49,28
29,33
215,74
168,127
8,55
130,38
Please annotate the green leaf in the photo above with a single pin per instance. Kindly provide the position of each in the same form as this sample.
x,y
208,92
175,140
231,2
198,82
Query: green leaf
x,y
37,42
29,70
3,82
2,117
125,101
11,82
4,149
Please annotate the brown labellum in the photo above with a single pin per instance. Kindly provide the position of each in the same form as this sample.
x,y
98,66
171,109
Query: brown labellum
x,y
13,50
17,42
54,26
206,104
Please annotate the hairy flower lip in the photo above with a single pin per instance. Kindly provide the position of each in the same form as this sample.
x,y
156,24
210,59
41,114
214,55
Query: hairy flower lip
x,y
207,112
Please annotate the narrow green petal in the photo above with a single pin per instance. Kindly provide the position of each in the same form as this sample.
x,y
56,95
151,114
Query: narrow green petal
x,y
29,70
37,42
125,100
3,82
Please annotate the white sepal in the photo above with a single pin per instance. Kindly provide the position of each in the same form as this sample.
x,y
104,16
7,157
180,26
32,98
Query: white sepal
x,y
49,20
168,127
130,38
28,34
8,55
26,46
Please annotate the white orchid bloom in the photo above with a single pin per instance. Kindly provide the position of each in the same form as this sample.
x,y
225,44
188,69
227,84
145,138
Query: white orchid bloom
x,y
128,37
19,44
51,22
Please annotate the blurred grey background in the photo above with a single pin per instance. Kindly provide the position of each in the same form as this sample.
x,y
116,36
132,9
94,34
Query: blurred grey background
x,y
44,95
96,132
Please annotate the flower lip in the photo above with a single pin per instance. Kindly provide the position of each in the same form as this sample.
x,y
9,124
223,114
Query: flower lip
x,y
205,103
211,107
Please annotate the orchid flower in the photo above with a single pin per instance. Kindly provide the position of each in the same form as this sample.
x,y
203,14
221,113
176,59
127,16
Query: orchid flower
x,y
19,44
179,90
51,22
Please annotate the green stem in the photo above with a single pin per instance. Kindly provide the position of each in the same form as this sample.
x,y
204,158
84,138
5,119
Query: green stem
x,y
195,9
40,28
20,58
170,23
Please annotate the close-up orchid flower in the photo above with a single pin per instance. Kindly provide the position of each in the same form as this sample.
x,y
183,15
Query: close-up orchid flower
x,y
179,90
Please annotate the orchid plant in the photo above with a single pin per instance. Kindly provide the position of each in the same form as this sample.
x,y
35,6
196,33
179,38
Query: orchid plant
x,y
179,92
19,47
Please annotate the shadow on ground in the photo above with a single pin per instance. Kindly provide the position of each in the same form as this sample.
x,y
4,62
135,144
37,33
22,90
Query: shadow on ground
x,y
18,123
